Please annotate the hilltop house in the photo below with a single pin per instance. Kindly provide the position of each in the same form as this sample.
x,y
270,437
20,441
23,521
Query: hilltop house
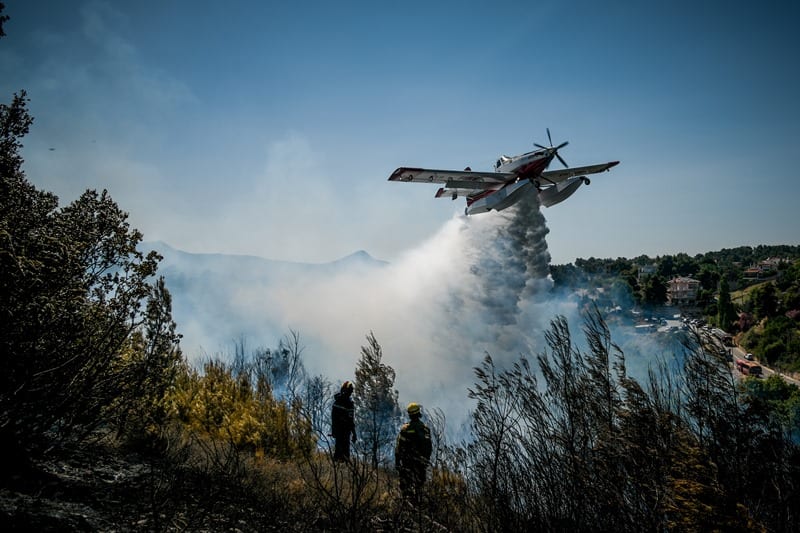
x,y
763,269
682,291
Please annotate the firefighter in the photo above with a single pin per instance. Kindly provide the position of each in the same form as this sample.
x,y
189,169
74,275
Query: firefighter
x,y
343,425
412,453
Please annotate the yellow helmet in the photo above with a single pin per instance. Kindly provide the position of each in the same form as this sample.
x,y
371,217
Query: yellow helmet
x,y
413,408
347,386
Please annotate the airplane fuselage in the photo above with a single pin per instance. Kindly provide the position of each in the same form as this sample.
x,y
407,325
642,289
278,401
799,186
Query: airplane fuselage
x,y
526,167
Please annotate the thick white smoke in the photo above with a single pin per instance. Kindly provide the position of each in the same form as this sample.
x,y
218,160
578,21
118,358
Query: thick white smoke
x,y
479,285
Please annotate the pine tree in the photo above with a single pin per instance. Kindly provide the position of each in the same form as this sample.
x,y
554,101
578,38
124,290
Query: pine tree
x,y
377,410
725,310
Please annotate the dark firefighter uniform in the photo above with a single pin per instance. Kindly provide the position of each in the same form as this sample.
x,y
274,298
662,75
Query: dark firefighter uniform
x,y
412,453
343,424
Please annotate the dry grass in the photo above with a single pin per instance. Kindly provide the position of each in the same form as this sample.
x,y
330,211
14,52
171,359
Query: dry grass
x,y
192,484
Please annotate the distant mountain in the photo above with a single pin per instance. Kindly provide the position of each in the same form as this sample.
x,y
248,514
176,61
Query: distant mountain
x,y
252,265
217,299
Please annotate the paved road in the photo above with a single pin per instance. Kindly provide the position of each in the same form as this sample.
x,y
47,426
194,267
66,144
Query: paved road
x,y
738,354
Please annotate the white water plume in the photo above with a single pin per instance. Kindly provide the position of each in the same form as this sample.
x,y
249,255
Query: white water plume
x,y
479,285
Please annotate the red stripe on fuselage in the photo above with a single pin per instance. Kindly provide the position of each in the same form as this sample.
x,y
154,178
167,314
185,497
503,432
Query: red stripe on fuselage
x,y
534,168
530,171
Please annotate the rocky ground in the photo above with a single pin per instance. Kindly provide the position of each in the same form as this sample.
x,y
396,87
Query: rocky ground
x,y
92,489
102,487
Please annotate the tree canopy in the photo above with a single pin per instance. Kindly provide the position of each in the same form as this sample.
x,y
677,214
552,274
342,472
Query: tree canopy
x,y
76,296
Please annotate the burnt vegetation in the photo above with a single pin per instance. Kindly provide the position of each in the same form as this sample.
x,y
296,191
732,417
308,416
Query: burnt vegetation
x,y
105,426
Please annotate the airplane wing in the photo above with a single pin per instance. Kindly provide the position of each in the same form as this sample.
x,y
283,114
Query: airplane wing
x,y
557,176
452,179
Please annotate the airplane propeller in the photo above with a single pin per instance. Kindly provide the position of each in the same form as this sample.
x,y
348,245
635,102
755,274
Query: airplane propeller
x,y
554,149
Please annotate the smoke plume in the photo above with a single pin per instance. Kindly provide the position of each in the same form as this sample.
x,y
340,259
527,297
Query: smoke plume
x,y
480,285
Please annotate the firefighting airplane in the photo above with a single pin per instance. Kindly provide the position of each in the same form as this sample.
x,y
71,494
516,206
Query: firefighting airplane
x,y
512,179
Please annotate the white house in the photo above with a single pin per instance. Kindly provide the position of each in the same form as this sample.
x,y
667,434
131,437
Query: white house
x,y
682,291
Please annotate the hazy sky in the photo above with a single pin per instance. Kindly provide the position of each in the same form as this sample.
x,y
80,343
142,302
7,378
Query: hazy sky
x,y
270,128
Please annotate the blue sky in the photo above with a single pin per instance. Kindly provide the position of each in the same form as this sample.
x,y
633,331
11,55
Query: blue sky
x,y
270,128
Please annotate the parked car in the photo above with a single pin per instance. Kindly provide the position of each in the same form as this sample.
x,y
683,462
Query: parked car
x,y
749,356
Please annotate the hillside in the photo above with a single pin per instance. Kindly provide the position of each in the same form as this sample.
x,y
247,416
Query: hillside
x,y
105,425
750,292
